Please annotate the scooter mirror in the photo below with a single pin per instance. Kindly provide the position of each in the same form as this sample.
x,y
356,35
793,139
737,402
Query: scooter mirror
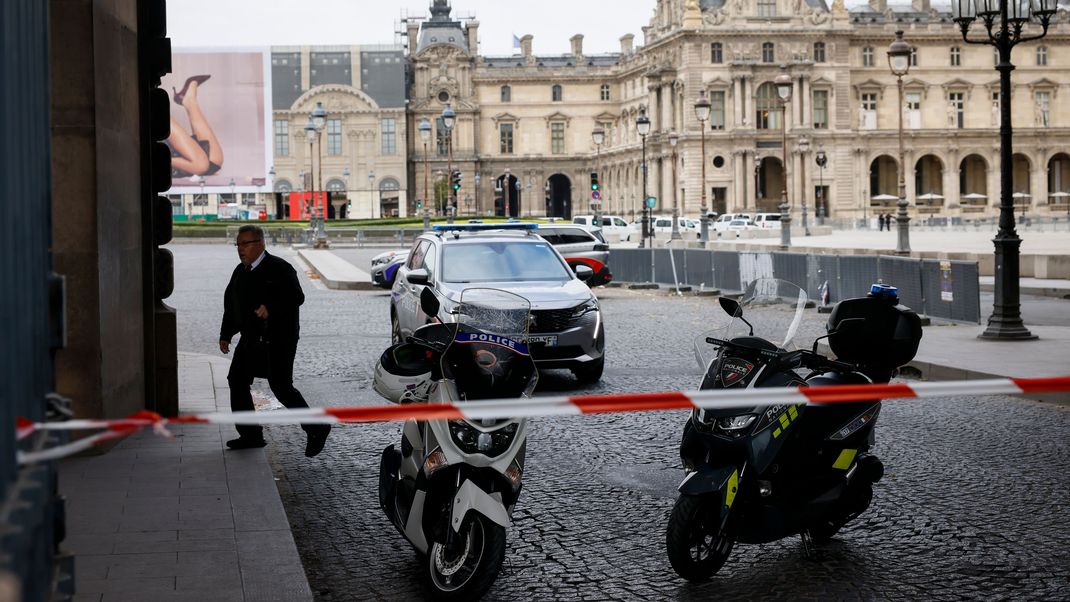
x,y
731,307
429,303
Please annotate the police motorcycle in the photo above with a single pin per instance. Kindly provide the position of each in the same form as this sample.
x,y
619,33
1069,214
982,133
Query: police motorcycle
x,y
761,474
451,487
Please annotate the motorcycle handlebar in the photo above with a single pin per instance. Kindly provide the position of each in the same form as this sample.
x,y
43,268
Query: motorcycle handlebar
x,y
800,358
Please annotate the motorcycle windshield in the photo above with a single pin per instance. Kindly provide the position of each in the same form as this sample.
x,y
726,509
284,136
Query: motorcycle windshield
x,y
774,308
489,356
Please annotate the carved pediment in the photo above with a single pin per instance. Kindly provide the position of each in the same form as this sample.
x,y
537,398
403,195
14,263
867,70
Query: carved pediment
x,y
869,86
917,85
335,98
821,81
557,117
957,85
505,117
605,116
717,83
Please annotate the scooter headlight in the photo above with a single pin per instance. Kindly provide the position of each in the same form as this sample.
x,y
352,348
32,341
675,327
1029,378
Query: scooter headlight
x,y
474,441
735,426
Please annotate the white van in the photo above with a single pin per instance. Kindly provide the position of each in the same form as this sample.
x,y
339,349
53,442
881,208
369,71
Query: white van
x,y
767,221
611,224
723,221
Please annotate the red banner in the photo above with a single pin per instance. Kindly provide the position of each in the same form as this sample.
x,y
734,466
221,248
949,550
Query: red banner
x,y
302,206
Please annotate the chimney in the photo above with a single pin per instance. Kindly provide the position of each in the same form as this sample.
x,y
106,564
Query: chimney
x,y
473,37
626,44
922,6
577,44
413,29
525,46
878,6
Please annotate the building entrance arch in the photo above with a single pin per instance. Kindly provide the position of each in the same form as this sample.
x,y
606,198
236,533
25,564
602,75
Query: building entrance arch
x,y
559,196
507,197
769,186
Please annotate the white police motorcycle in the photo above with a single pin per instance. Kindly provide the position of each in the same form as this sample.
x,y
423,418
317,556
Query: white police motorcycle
x,y
451,487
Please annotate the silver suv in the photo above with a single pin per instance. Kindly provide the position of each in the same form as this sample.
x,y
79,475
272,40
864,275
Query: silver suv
x,y
566,329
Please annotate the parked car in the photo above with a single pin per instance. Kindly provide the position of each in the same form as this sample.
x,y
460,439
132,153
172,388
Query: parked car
x,y
739,225
385,267
581,245
721,224
688,227
767,221
567,330
611,224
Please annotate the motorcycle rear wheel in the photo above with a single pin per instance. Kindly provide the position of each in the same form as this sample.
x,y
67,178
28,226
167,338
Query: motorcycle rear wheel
x,y
697,547
468,570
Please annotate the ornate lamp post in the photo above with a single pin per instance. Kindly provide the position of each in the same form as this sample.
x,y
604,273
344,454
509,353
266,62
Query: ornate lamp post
x,y
507,188
804,148
757,181
271,184
899,62
1004,22
425,135
702,112
821,159
673,140
310,135
642,125
477,180
371,193
598,135
783,90
449,118
318,119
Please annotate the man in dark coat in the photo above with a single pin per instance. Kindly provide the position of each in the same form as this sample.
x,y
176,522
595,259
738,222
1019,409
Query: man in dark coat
x,y
262,303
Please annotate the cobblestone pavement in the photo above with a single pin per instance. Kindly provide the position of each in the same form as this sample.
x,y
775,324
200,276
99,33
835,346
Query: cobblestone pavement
x,y
973,505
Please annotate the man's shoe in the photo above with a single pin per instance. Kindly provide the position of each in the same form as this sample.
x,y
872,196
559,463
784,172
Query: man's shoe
x,y
244,443
317,438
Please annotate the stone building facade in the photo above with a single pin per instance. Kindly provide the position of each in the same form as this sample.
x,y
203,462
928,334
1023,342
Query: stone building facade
x,y
360,155
530,118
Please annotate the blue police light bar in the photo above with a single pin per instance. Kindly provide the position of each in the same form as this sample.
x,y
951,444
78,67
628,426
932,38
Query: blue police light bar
x,y
483,227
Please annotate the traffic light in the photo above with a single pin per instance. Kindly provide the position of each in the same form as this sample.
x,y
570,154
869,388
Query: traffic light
x,y
594,181
456,178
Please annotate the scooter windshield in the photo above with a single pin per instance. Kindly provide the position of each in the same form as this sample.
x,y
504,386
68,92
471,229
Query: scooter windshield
x,y
771,309
489,357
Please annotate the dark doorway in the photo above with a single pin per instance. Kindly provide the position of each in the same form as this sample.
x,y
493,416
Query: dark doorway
x,y
507,198
559,197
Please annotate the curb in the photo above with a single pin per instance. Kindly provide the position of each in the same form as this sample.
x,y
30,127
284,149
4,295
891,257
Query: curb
x,y
1056,293
340,285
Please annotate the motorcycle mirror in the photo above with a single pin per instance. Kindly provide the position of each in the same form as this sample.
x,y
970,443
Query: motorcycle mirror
x,y
429,303
731,307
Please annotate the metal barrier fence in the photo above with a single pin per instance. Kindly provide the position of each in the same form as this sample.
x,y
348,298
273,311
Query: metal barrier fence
x,y
940,289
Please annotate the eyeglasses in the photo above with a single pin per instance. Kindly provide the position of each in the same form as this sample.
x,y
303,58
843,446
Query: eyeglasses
x,y
247,243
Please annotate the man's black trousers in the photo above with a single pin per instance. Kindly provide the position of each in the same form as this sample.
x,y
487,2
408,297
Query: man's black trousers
x,y
280,379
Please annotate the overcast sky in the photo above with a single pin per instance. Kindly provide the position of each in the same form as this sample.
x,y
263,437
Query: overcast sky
x,y
315,22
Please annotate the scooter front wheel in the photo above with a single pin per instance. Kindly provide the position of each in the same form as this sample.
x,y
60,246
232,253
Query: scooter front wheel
x,y
696,545
466,569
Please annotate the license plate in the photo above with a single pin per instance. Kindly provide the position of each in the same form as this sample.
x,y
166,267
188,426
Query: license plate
x,y
550,340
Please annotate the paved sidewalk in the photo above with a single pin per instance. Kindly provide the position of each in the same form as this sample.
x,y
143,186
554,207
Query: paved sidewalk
x,y
1045,287
336,272
181,519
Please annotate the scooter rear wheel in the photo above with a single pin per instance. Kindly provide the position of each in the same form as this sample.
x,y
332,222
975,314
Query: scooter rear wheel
x,y
466,571
696,545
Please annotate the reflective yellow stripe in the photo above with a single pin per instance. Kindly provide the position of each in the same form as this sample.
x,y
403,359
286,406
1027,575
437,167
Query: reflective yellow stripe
x,y
847,456
793,412
784,422
776,433
733,486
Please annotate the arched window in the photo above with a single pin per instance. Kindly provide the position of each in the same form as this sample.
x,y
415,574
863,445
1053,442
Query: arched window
x,y
768,107
283,186
819,52
555,93
336,185
768,55
507,94
389,197
389,184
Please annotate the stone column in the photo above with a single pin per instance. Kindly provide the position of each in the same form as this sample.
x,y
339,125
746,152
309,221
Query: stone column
x,y
748,98
737,105
805,110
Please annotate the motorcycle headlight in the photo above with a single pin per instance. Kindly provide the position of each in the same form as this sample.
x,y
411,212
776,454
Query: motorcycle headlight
x,y
474,441
735,425
584,308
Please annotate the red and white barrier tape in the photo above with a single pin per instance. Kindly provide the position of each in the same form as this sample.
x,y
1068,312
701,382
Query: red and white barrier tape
x,y
555,406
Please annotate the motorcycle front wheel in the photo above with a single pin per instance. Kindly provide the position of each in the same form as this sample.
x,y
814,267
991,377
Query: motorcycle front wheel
x,y
467,569
696,545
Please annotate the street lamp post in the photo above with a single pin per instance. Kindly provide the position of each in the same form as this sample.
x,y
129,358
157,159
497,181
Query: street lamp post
x,y
318,119
673,140
310,136
757,181
506,187
371,193
899,62
804,147
821,159
449,118
271,189
477,179
702,111
599,136
783,88
425,135
642,125
1004,22
345,177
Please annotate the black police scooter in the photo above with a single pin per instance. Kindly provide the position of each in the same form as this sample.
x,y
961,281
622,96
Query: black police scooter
x,y
774,471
